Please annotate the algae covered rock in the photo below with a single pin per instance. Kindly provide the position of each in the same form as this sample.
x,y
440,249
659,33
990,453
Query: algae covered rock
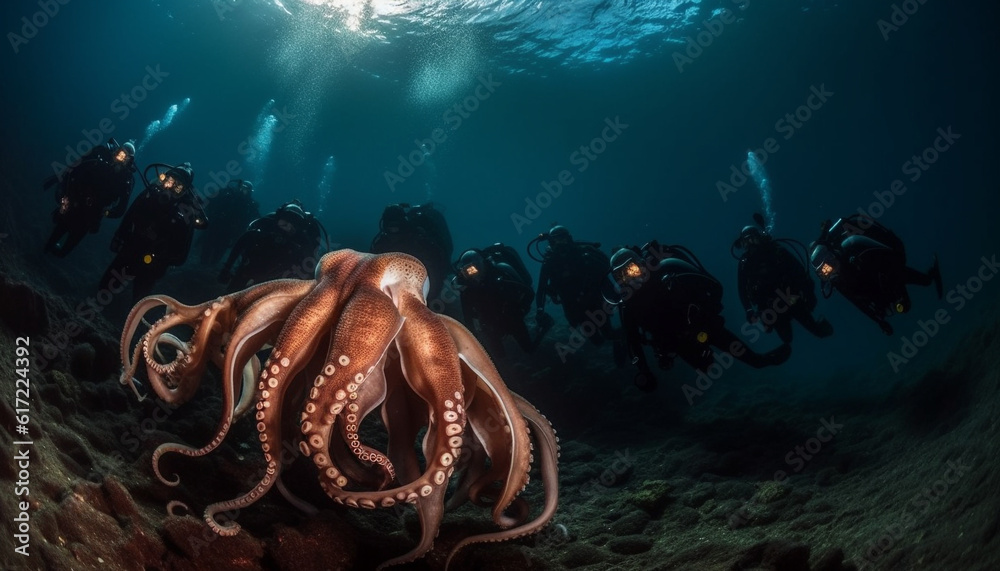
x,y
652,496
770,491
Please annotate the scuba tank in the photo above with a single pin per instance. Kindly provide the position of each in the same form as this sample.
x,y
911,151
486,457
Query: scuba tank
x,y
502,253
858,224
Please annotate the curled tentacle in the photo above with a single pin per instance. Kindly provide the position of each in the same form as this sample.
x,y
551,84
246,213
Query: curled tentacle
x,y
294,347
549,455
132,323
173,505
260,324
177,381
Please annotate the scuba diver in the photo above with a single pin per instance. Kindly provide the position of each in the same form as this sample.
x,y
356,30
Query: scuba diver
x,y
775,283
422,232
496,295
866,263
98,187
156,231
231,211
274,246
572,275
668,300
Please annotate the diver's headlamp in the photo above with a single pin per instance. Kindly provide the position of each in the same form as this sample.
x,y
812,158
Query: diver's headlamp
x,y
147,259
170,183
900,308
470,271
827,271
627,272
825,263
702,337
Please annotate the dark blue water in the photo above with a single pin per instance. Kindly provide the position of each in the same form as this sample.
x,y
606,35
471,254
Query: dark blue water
x,y
365,85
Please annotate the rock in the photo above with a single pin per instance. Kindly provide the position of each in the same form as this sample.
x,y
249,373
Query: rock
x,y
318,544
833,560
774,556
770,491
632,523
197,542
100,525
734,490
652,496
685,516
723,510
698,495
580,554
809,521
819,506
571,452
630,545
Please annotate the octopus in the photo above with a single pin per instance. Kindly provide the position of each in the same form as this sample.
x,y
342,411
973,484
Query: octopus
x,y
357,338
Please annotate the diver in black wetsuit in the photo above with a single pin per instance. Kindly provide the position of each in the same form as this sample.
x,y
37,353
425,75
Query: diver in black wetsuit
x,y
667,300
422,232
496,295
775,284
156,231
231,211
273,247
98,187
866,263
572,275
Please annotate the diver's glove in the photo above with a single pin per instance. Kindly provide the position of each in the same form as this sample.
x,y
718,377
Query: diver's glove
x,y
886,328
